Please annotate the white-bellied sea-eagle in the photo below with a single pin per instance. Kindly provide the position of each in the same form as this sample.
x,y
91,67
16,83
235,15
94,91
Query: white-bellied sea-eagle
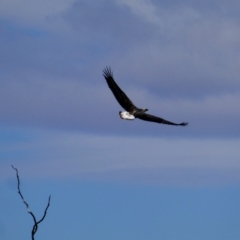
x,y
132,111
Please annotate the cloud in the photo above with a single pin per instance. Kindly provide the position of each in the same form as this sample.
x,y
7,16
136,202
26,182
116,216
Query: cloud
x,y
89,108
143,8
179,60
108,24
157,160
32,13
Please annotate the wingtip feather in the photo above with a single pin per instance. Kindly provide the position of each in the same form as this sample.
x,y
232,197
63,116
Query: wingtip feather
x,y
107,72
183,124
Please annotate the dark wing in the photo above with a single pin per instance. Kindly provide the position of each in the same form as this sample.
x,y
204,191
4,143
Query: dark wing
x,y
151,118
121,97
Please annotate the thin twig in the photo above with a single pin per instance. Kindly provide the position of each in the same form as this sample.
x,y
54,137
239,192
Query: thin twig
x,y
35,226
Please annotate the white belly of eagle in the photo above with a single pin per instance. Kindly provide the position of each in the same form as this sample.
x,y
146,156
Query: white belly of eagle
x,y
126,116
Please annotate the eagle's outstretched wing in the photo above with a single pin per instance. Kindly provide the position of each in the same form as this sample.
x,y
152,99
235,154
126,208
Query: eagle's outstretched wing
x,y
151,118
121,97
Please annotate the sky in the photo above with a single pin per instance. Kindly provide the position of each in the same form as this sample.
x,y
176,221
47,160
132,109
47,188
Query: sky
x,y
110,178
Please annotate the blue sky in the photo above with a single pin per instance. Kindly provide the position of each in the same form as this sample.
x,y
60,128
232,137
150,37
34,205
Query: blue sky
x,y
109,178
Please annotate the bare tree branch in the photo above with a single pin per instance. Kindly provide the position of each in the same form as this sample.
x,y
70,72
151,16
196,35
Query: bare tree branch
x,y
35,226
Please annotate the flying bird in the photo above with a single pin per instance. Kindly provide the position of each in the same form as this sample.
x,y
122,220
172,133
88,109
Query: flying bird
x,y
132,111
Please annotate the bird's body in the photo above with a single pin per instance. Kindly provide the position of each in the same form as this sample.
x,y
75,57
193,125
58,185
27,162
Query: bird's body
x,y
126,115
132,111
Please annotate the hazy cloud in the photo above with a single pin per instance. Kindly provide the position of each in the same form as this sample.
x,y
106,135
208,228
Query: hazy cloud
x,y
32,13
154,160
180,60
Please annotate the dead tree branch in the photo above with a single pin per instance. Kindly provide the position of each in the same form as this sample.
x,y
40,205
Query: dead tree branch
x,y
35,226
